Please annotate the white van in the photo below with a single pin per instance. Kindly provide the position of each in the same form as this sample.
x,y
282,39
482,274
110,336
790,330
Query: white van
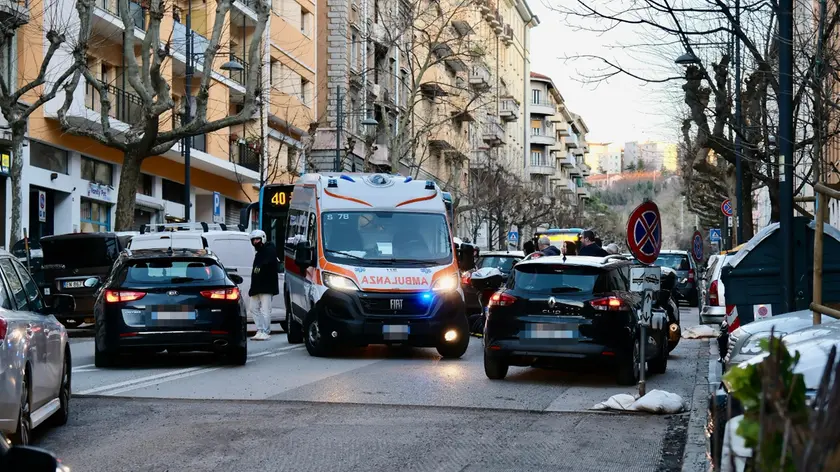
x,y
233,248
370,260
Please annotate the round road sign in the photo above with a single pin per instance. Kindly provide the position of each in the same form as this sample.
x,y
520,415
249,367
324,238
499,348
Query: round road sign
x,y
726,207
644,233
697,246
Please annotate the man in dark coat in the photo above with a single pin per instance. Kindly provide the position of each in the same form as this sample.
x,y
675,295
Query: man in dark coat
x,y
545,247
264,284
589,247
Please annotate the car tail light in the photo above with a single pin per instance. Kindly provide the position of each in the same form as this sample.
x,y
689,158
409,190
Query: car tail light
x,y
713,293
116,296
465,279
4,326
691,275
502,299
222,294
609,304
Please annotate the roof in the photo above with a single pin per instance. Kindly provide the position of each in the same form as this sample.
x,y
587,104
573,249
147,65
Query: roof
x,y
372,192
577,260
537,75
165,252
68,236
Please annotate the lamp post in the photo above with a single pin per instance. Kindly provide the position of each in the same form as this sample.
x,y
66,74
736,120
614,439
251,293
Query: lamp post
x,y
186,141
786,148
739,170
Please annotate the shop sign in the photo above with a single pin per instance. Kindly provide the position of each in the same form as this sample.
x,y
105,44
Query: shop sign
x,y
5,163
99,191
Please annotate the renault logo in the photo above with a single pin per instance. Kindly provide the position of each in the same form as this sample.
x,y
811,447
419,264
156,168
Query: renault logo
x,y
551,302
396,304
172,293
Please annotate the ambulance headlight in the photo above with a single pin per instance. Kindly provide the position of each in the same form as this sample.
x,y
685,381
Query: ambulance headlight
x,y
339,282
446,284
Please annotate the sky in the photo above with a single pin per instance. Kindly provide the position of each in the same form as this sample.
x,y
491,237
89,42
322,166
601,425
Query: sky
x,y
620,110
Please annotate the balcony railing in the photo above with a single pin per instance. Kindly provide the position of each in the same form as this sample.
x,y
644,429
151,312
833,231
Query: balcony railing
x,y
509,109
179,41
493,134
252,4
541,161
137,12
545,104
479,76
199,142
243,155
125,106
239,76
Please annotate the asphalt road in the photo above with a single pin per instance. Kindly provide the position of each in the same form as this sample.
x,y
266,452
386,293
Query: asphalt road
x,y
371,409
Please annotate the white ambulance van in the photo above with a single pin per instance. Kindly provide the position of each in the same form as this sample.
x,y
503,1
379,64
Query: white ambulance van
x,y
370,260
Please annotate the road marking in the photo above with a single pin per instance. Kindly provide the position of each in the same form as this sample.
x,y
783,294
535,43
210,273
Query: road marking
x,y
139,380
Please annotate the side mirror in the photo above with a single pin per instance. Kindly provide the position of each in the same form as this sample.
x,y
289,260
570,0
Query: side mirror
x,y
235,278
303,255
466,257
92,282
63,303
30,459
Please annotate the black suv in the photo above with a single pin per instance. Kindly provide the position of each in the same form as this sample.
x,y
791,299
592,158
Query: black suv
x,y
688,287
555,311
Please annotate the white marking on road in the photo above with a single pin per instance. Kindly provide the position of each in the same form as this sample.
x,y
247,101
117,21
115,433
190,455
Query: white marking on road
x,y
81,367
139,380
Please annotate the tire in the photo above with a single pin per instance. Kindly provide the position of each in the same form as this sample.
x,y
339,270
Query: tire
x,y
237,355
316,343
294,331
102,359
495,367
60,417
23,432
659,364
71,324
457,349
286,306
628,369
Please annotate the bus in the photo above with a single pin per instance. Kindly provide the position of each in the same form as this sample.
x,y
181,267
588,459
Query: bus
x,y
556,235
272,211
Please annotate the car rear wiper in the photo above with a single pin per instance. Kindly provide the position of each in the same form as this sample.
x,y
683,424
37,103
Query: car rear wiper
x,y
332,251
564,289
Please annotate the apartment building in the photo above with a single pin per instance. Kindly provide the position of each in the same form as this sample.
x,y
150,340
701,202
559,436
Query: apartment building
x,y
650,155
70,183
605,158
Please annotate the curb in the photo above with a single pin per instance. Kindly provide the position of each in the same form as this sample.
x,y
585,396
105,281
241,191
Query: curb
x,y
695,457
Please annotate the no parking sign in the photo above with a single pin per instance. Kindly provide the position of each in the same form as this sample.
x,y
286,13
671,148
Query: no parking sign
x,y
644,233
697,246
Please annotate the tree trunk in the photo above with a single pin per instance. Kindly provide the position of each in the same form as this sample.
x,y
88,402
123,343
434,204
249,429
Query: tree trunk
x,y
747,200
127,193
18,134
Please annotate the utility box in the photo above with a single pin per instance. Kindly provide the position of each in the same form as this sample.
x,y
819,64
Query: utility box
x,y
753,278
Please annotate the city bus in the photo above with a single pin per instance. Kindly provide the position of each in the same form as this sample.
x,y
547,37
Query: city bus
x,y
556,235
272,212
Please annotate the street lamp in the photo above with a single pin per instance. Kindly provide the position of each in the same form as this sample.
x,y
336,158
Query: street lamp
x,y
688,59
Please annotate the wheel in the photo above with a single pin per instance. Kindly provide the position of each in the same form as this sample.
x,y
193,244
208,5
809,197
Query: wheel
x,y
317,344
674,335
285,323
659,364
71,324
294,331
237,355
60,417
23,432
456,349
628,370
495,367
103,359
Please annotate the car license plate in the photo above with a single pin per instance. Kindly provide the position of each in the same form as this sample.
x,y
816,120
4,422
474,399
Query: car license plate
x,y
173,315
73,284
395,332
550,331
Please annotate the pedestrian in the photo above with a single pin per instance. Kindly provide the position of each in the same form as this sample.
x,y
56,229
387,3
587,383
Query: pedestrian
x,y
599,243
264,284
545,247
612,248
589,248
528,247
569,248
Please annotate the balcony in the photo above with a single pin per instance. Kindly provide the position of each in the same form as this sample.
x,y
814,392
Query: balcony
x,y
442,138
571,141
480,77
246,7
543,136
564,185
493,133
579,151
507,35
479,158
583,192
15,12
542,107
564,159
561,127
179,41
541,166
199,142
112,7
243,155
125,106
584,170
238,76
574,171
509,109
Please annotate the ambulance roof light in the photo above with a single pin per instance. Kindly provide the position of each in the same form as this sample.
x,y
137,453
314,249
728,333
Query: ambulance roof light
x,y
347,178
408,179
430,185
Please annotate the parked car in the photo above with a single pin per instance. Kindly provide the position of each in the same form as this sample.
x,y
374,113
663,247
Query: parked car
x,y
70,259
683,263
35,365
27,458
36,258
502,260
233,248
555,311
713,309
175,300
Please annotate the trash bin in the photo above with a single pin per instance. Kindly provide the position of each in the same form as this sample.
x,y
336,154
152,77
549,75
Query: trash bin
x,y
753,278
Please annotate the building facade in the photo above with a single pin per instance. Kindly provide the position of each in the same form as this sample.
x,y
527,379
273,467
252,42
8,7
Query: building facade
x,y
70,183
650,155
605,158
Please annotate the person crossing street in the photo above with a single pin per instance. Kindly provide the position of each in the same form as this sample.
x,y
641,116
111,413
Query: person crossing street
x,y
264,284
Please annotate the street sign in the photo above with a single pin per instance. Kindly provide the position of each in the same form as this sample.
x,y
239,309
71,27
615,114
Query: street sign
x,y
726,207
644,233
217,208
697,246
513,237
730,221
42,206
644,278
714,235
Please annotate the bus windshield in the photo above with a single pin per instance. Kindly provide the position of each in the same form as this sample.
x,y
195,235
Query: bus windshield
x,y
386,237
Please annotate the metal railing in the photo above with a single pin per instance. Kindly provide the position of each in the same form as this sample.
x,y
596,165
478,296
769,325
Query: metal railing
x,y
137,12
244,156
541,161
179,41
823,194
249,3
125,106
199,141
544,103
239,76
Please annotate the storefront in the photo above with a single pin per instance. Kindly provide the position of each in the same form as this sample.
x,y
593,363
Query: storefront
x,y
41,212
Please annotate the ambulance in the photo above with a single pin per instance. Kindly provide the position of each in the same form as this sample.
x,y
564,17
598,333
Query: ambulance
x,y
370,259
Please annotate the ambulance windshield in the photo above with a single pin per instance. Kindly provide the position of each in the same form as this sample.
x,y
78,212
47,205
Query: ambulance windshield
x,y
386,238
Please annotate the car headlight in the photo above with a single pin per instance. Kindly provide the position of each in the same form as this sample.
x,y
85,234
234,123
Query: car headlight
x,y
446,284
339,282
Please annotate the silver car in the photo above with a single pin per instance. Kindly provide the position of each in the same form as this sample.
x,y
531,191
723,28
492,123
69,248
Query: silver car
x,y
35,362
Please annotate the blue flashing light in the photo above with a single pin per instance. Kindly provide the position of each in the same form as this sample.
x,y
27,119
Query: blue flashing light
x,y
426,297
347,178
407,179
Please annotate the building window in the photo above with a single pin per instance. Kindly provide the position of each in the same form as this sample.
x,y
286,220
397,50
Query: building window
x,y
535,96
144,185
9,63
305,91
173,191
48,157
96,217
305,21
97,171
537,158
354,50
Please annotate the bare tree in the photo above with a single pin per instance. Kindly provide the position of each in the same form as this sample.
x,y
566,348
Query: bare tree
x,y
22,95
150,134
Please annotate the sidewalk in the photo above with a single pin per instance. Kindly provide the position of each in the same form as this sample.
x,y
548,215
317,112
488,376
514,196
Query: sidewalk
x,y
707,379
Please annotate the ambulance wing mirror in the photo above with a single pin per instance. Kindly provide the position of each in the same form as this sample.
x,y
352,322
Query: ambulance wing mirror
x,y
303,255
466,256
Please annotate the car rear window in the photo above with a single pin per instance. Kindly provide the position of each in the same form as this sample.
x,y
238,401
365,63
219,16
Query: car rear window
x,y
674,261
556,278
503,263
172,272
80,253
158,242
